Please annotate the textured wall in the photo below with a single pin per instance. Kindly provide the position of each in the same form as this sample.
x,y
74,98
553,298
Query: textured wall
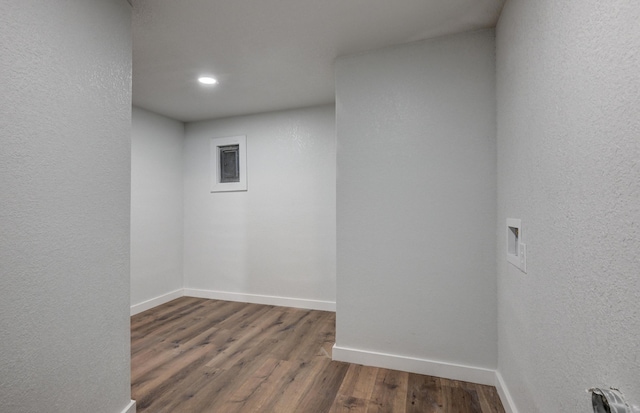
x,y
64,217
569,167
416,200
156,205
277,238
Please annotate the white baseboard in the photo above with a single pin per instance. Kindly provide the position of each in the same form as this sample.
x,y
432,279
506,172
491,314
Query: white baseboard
x,y
165,298
262,299
415,365
131,407
505,396
429,367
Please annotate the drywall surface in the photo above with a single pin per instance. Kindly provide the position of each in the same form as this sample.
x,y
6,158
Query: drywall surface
x,y
278,237
65,184
569,167
156,205
416,200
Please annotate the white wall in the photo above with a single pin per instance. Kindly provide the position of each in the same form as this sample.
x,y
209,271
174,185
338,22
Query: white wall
x,y
569,167
277,238
156,207
64,220
416,204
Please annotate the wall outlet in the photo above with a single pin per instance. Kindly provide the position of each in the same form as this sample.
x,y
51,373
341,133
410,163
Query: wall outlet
x,y
516,250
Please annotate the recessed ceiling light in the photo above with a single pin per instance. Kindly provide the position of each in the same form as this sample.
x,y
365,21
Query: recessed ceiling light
x,y
207,80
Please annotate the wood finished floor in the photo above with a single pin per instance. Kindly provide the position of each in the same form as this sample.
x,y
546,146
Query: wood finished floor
x,y
194,355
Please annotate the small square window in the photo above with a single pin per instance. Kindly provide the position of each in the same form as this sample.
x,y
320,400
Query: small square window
x,y
229,164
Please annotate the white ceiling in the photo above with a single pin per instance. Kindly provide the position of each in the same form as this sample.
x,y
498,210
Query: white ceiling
x,y
272,54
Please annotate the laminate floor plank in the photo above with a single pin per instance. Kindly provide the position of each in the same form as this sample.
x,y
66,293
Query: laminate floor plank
x,y
195,355
491,400
155,313
259,389
389,392
173,328
253,341
424,394
318,330
158,349
359,381
322,392
243,346
154,325
461,399
297,383
186,359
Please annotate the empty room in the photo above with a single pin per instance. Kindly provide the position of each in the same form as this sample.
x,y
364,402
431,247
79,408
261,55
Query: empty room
x,y
303,206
